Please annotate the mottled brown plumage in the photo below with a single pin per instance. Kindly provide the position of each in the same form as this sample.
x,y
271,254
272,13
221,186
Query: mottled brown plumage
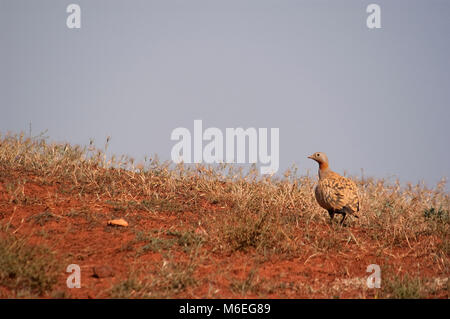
x,y
335,193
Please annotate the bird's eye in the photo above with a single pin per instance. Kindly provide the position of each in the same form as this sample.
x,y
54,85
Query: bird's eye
x,y
317,155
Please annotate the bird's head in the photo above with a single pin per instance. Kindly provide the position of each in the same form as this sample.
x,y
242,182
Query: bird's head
x,y
320,158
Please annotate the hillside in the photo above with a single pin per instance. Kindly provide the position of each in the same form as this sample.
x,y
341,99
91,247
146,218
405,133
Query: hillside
x,y
202,232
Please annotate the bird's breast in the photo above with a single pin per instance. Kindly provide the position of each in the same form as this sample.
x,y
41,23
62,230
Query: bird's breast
x,y
321,197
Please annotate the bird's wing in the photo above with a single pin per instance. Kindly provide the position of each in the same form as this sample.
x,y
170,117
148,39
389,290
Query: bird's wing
x,y
339,192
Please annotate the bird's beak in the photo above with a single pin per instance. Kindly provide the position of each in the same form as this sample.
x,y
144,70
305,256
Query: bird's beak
x,y
311,157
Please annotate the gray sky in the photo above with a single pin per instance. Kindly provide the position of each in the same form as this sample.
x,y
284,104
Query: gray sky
x,y
136,70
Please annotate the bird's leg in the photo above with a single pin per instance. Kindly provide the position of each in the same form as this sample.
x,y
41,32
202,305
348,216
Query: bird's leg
x,y
343,217
331,213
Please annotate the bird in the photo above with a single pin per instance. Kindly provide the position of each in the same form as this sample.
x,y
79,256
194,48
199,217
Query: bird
x,y
335,193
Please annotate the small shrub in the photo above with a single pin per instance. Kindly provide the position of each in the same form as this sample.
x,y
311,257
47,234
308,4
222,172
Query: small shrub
x,y
439,215
156,245
403,288
25,268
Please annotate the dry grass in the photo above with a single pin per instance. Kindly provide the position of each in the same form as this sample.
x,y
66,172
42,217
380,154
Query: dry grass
x,y
267,218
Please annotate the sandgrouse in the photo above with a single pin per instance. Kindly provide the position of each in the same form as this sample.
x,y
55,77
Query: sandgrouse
x,y
335,193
